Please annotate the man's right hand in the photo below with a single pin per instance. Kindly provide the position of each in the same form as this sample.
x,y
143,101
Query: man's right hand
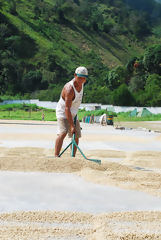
x,y
73,130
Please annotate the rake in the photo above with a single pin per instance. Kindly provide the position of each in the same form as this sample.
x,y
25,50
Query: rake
x,y
73,143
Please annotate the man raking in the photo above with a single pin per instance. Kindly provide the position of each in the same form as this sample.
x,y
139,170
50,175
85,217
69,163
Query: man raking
x,y
67,109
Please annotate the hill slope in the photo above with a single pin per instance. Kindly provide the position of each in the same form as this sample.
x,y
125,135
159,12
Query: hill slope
x,y
43,41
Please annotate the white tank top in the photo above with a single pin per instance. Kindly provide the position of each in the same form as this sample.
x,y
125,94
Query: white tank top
x,y
60,108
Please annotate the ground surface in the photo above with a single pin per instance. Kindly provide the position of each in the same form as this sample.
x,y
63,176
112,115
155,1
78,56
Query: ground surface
x,y
151,125
72,198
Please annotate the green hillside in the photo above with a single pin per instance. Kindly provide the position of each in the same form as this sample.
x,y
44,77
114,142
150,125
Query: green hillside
x,y
43,41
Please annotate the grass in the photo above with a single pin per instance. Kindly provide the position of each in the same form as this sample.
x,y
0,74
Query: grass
x,y
124,117
50,115
28,115
41,41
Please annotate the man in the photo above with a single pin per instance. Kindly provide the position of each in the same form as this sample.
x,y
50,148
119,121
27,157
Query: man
x,y
67,108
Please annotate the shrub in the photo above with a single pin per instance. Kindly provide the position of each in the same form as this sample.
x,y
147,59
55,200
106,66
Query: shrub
x,y
152,58
122,96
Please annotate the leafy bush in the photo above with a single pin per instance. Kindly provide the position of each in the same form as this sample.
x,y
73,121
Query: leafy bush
x,y
96,94
122,96
51,94
153,90
137,82
152,59
31,81
116,77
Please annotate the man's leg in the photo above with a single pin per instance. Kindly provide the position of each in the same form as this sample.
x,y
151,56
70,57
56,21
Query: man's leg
x,y
77,136
59,143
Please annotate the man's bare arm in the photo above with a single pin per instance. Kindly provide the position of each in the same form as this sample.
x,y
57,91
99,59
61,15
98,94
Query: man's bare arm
x,y
68,95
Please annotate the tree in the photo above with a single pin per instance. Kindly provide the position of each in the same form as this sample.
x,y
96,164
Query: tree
x,y
122,96
3,30
58,68
31,81
50,94
144,5
77,2
137,82
67,9
3,33
13,6
116,77
96,19
107,25
64,10
152,59
10,70
97,94
139,25
130,65
153,90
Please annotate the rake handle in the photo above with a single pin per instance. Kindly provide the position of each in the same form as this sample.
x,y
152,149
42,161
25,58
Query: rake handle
x,y
73,138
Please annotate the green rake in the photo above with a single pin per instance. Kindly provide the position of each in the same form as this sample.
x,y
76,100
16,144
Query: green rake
x,y
73,143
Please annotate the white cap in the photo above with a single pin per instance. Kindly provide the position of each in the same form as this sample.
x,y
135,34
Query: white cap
x,y
81,72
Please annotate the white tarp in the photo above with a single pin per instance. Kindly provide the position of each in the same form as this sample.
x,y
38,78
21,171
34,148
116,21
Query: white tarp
x,y
39,191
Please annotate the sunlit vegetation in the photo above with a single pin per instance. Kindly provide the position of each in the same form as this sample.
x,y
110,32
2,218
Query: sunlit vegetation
x,y
43,41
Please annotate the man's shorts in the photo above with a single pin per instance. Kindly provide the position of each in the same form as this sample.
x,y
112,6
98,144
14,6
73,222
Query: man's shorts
x,y
63,126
